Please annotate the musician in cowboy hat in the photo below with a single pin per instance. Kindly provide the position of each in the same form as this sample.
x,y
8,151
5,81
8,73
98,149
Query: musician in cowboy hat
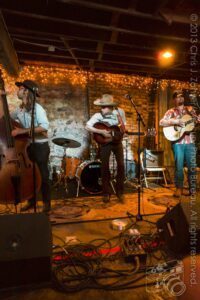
x,y
110,115
184,149
39,150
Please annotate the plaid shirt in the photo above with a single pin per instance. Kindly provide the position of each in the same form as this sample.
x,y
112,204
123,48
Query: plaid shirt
x,y
176,113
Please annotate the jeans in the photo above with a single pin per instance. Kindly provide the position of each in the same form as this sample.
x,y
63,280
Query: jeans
x,y
185,154
105,152
39,152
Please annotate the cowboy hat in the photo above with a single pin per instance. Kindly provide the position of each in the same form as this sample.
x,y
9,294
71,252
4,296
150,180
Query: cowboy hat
x,y
29,85
105,100
177,93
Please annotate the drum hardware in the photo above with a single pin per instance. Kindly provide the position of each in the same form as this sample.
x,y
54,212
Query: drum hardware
x,y
69,164
59,179
66,143
129,165
93,152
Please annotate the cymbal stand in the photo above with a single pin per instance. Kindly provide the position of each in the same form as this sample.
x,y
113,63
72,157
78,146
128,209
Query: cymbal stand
x,y
112,178
127,179
63,177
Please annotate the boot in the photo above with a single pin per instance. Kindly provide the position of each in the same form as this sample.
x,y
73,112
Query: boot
x,y
106,198
27,206
46,207
121,198
177,193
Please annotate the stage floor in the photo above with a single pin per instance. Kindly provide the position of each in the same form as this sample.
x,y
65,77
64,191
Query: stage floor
x,y
79,217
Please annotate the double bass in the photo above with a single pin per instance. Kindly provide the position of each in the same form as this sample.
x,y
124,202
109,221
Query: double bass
x,y
17,182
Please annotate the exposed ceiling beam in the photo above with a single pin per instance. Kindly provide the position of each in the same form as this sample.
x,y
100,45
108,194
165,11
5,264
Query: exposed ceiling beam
x,y
65,42
103,61
160,6
139,71
114,23
129,11
79,38
8,56
41,38
95,26
118,53
99,49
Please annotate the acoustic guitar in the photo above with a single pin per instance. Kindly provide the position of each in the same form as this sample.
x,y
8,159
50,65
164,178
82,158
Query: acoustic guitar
x,y
116,134
175,132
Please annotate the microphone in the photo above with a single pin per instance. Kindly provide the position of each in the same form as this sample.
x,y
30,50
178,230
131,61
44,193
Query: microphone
x,y
34,89
127,96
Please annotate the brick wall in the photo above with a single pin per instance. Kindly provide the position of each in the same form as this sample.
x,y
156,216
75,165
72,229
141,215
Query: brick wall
x,y
69,104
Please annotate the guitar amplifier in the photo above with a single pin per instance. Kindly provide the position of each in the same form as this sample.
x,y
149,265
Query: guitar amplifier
x,y
153,158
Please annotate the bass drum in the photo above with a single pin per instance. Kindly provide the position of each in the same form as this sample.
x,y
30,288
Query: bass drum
x,y
89,176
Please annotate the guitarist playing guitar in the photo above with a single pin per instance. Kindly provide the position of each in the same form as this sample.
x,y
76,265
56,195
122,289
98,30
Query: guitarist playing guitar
x,y
176,120
108,127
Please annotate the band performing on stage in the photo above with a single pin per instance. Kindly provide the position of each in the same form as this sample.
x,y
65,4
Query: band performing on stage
x,y
25,150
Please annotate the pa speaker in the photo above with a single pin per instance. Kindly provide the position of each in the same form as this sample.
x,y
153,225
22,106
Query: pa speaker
x,y
25,250
180,228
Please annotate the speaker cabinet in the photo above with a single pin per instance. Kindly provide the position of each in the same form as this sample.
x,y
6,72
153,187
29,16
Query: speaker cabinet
x,y
25,250
180,228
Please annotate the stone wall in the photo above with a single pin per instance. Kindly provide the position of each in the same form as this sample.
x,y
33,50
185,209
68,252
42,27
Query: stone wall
x,y
68,99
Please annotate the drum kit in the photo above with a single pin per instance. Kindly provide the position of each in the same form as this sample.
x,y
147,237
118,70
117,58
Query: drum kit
x,y
87,173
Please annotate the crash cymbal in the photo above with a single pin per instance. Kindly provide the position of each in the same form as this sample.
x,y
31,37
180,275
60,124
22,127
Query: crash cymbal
x,y
67,143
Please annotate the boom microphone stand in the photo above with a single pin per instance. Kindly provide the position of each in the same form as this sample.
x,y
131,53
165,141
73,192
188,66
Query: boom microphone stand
x,y
139,121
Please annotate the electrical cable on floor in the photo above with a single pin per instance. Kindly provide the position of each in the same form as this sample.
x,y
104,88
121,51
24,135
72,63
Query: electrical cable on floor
x,y
84,265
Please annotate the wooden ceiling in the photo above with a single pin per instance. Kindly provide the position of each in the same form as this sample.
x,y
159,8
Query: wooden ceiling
x,y
117,36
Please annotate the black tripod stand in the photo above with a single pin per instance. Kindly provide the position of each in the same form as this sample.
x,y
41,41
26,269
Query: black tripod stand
x,y
139,121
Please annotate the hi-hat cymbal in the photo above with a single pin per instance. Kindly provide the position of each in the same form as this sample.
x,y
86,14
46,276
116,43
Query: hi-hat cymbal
x,y
67,143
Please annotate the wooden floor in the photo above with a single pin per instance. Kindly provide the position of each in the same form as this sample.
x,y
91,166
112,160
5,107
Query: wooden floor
x,y
75,216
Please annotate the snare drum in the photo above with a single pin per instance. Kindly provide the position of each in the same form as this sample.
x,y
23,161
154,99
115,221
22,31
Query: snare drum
x,y
69,165
89,176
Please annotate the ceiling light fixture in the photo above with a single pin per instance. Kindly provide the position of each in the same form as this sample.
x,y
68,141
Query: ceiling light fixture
x,y
166,57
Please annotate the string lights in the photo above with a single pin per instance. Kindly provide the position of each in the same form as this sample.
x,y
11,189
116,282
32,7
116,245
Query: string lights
x,y
56,75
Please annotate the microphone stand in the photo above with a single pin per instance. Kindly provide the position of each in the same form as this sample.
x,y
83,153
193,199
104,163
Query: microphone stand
x,y
139,121
34,90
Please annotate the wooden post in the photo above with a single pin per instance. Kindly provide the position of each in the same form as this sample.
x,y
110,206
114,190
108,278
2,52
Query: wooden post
x,y
8,56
